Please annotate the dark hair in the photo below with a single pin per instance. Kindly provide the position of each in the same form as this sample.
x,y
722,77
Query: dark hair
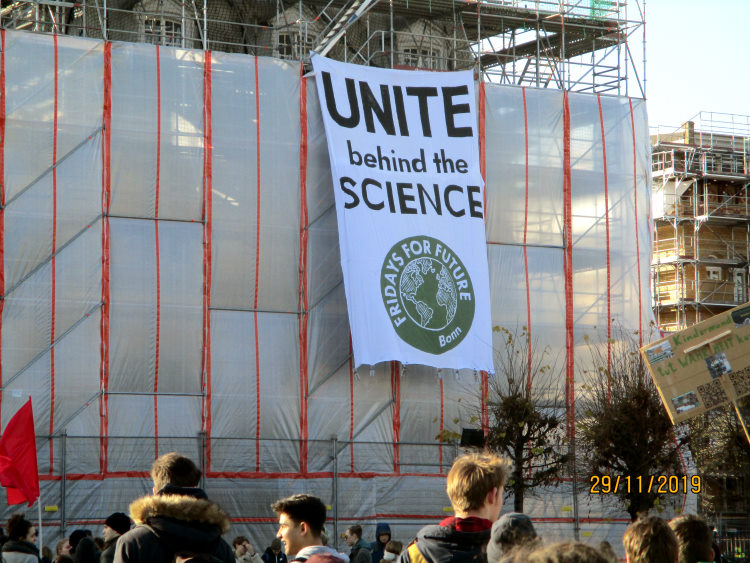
x,y
694,538
650,540
75,538
175,469
239,540
303,508
560,552
355,530
18,527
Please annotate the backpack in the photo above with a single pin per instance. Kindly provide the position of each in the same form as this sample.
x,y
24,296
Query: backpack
x,y
415,556
179,555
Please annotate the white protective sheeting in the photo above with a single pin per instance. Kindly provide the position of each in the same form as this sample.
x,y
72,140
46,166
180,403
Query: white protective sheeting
x,y
217,326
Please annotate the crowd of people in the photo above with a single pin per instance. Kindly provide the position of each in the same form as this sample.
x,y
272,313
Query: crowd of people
x,y
178,523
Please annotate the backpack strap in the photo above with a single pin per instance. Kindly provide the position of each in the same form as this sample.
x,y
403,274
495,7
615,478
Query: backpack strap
x,y
415,556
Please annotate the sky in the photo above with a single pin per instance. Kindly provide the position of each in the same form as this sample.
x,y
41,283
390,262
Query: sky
x,y
697,58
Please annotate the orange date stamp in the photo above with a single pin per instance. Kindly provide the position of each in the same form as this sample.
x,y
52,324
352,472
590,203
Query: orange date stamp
x,y
656,484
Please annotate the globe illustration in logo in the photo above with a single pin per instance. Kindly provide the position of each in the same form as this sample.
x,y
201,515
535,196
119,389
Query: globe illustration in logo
x,y
429,294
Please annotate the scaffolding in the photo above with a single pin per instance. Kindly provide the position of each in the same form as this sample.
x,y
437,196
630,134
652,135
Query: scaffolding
x,y
577,45
701,210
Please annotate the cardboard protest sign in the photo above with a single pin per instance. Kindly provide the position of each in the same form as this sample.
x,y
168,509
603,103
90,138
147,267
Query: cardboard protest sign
x,y
409,198
704,366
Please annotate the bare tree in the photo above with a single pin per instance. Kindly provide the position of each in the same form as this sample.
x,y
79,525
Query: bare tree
x,y
527,414
623,430
722,456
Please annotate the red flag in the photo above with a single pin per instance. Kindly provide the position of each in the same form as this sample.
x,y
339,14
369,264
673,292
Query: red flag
x,y
18,469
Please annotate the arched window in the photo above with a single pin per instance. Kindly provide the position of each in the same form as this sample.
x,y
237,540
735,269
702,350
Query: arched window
x,y
423,45
294,33
162,22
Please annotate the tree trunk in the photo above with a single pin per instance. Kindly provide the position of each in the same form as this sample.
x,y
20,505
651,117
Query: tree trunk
x,y
518,491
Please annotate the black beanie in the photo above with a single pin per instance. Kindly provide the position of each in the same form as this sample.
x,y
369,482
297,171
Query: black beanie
x,y
119,522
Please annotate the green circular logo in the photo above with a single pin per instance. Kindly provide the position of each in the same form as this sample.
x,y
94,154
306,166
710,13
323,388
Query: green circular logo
x,y
427,294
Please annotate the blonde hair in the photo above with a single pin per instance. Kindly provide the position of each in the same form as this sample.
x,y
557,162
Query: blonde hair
x,y
472,478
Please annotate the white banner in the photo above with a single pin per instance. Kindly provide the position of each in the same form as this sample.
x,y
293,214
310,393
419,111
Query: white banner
x,y
410,205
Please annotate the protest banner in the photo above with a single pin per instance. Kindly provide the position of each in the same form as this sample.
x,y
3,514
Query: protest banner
x,y
409,197
704,366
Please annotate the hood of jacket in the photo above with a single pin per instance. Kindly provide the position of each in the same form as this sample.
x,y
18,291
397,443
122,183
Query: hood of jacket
x,y
322,550
361,544
180,515
444,543
382,528
20,546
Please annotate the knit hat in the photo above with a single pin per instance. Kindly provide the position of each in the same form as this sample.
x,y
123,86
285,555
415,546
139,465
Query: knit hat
x,y
119,522
510,530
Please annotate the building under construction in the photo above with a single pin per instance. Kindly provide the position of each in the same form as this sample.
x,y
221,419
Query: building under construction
x,y
172,274
701,209
579,45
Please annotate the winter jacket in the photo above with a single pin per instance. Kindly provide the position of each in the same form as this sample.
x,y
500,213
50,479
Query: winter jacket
x,y
174,520
377,548
108,554
360,552
19,551
270,557
442,543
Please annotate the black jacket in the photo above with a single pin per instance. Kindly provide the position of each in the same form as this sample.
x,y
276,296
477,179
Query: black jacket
x,y
19,551
377,548
360,552
172,523
270,557
444,544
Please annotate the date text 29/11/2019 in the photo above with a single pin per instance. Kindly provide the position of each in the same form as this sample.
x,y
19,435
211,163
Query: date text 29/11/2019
x,y
657,484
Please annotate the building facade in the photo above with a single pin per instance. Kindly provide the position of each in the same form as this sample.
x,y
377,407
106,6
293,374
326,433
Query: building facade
x,y
588,46
701,209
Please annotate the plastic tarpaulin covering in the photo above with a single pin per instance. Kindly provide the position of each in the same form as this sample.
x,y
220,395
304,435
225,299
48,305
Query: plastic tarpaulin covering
x,y
171,280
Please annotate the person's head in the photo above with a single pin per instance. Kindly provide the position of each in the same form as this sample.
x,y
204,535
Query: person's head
x,y
76,536
46,552
511,530
694,538
392,550
276,546
174,469
560,552
605,548
115,525
382,533
20,529
301,520
475,485
62,547
353,534
241,545
650,540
